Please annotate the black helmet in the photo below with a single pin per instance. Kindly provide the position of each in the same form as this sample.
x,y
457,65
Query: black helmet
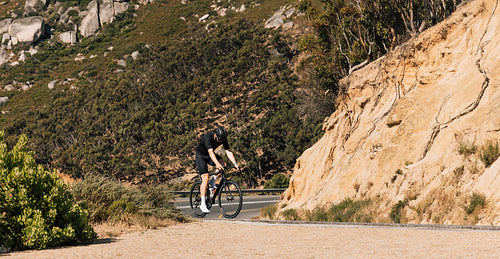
x,y
221,133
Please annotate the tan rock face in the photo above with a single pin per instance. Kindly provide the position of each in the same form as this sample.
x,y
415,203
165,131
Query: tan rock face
x,y
411,110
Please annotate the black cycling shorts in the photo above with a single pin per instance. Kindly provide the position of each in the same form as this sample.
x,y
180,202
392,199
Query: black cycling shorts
x,y
202,162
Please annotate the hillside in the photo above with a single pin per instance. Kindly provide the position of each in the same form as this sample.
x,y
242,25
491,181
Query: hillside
x,y
417,132
129,97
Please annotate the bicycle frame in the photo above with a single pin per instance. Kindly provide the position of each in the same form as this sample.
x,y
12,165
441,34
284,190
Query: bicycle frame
x,y
219,187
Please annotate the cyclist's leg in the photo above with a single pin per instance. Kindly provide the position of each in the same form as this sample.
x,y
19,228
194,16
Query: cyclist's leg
x,y
201,165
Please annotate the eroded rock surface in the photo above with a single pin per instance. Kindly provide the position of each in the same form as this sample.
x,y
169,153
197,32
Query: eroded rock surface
x,y
409,111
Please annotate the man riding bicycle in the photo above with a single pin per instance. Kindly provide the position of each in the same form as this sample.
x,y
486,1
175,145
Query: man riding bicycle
x,y
205,155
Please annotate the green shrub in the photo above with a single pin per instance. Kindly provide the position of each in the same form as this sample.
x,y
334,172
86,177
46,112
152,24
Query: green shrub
x,y
477,200
109,200
490,153
268,212
290,214
397,211
278,181
37,209
347,210
350,210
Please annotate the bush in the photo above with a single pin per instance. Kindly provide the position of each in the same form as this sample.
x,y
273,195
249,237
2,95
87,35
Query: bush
x,y
350,210
269,211
278,181
490,153
396,214
291,214
37,208
109,200
476,201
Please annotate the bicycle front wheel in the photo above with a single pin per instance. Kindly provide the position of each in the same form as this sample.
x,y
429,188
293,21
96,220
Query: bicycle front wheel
x,y
230,199
195,200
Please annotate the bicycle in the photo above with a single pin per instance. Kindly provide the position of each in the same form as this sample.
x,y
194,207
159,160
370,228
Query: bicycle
x,y
228,192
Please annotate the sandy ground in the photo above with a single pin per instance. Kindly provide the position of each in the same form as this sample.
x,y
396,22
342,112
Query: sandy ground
x,y
254,240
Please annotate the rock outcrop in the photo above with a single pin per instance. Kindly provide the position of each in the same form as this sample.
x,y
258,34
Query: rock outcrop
x,y
29,29
397,132
100,12
34,6
90,24
68,37
279,17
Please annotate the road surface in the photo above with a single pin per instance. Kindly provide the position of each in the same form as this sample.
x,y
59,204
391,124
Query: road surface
x,y
252,204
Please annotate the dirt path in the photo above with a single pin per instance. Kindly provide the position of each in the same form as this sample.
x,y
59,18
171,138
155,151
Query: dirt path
x,y
250,240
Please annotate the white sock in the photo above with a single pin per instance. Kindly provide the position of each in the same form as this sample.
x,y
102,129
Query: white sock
x,y
203,206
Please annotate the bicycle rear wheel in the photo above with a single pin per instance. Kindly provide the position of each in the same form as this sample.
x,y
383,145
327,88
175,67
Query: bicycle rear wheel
x,y
195,200
230,199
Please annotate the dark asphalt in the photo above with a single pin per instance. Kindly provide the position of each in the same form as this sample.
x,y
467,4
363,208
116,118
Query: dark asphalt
x,y
252,204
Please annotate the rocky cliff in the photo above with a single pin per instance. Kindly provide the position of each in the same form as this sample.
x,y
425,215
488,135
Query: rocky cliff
x,y
412,127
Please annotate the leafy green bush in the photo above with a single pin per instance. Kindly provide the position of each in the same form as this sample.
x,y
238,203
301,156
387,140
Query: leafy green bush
x,y
477,200
36,208
109,200
278,181
396,214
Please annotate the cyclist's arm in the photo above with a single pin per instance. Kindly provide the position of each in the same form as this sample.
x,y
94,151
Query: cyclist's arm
x,y
218,165
230,155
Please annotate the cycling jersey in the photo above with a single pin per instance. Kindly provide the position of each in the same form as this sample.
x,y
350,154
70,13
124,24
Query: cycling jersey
x,y
207,142
202,156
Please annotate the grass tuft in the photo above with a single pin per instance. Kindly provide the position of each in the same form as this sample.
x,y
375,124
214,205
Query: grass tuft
x,y
489,153
466,148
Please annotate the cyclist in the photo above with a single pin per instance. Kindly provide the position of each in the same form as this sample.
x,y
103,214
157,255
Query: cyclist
x,y
205,155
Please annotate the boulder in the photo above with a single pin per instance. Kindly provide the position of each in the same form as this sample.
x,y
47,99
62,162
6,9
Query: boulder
x,y
90,24
275,21
13,41
4,25
289,12
4,57
65,17
120,7
22,56
68,37
9,87
106,11
288,25
122,62
3,100
29,29
204,17
5,38
52,84
135,55
34,6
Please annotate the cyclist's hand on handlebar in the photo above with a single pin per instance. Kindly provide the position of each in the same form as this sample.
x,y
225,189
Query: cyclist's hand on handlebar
x,y
220,167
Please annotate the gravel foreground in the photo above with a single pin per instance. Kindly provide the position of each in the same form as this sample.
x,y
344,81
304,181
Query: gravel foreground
x,y
253,240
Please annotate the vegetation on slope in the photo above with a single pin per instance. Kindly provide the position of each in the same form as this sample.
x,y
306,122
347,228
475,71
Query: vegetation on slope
x,y
142,124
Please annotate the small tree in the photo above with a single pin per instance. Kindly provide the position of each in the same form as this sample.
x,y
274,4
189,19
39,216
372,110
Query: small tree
x,y
37,209
278,181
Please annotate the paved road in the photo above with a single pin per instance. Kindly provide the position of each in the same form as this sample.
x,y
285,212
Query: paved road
x,y
252,204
